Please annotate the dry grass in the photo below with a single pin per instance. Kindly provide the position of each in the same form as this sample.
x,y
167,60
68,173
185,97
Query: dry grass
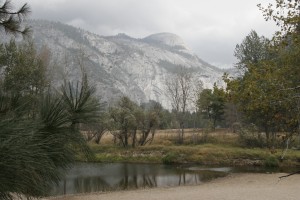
x,y
220,147
191,136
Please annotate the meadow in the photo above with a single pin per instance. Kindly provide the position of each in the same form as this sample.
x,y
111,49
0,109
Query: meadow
x,y
220,147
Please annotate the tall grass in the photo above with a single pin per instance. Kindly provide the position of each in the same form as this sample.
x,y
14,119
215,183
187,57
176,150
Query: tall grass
x,y
219,148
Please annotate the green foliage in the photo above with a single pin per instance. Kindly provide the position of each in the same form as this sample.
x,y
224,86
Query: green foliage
x,y
82,105
39,126
253,49
170,158
285,13
204,154
24,68
124,123
211,104
129,121
149,120
268,92
24,72
249,136
271,162
35,151
11,21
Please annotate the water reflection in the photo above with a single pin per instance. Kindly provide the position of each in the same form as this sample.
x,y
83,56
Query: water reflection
x,y
86,178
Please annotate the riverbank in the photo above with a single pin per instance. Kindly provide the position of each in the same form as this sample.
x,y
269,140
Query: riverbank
x,y
218,148
204,154
232,187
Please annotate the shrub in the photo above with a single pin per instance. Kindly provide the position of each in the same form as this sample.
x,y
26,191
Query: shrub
x,y
169,158
249,136
271,162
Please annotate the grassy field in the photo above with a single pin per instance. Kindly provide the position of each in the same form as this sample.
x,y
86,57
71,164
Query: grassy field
x,y
216,148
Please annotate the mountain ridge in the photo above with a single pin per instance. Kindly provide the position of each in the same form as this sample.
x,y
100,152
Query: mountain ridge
x,y
122,65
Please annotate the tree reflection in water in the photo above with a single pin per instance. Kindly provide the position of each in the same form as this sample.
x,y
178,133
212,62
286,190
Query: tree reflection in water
x,y
86,178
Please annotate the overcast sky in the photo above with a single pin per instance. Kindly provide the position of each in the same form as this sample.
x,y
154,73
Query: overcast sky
x,y
210,28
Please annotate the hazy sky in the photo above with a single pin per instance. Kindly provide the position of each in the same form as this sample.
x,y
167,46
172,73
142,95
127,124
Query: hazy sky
x,y
210,28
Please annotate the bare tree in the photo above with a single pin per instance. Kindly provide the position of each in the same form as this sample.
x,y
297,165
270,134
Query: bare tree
x,y
179,90
96,130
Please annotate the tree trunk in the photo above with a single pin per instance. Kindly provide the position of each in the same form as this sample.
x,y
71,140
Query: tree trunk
x,y
133,138
181,135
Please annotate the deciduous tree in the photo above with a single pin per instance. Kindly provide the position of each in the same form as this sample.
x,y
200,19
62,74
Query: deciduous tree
x,y
211,104
179,90
253,49
124,123
130,121
268,93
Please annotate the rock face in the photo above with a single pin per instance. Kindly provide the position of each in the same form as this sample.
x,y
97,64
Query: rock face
x,y
122,65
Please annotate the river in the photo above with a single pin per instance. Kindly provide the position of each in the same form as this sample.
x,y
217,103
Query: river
x,y
99,177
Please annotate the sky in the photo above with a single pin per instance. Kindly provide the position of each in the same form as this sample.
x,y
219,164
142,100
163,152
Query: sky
x,y
211,29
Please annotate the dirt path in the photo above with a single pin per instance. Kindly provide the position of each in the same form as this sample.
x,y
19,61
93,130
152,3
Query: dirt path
x,y
233,187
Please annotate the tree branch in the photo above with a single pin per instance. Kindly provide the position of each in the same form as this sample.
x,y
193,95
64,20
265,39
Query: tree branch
x,y
285,176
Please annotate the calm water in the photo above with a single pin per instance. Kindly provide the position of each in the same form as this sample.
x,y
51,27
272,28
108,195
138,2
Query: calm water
x,y
99,177
95,177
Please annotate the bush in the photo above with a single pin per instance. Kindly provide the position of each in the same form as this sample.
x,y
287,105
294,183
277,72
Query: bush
x,y
249,136
271,162
170,158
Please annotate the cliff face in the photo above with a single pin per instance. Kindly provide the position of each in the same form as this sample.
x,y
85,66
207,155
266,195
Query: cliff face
x,y
122,65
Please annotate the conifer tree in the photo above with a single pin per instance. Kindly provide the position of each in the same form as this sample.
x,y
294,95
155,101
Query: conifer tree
x,y
12,20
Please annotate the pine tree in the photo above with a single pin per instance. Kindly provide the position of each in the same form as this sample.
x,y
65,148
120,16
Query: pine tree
x,y
12,20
